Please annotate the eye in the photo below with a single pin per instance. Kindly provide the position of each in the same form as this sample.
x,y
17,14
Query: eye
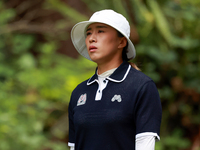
x,y
100,31
88,33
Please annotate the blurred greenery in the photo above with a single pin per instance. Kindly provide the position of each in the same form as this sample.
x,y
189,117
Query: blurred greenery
x,y
39,69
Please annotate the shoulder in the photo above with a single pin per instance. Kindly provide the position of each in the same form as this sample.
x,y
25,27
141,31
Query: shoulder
x,y
80,86
76,93
138,77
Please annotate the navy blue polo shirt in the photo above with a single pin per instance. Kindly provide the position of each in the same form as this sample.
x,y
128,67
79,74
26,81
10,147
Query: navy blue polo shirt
x,y
129,105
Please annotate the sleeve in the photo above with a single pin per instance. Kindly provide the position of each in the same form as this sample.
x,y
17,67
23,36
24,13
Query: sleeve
x,y
145,142
148,111
71,142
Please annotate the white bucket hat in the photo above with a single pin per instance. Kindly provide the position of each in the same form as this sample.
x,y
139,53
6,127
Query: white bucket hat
x,y
109,17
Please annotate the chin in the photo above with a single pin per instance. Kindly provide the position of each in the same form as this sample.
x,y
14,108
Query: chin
x,y
96,60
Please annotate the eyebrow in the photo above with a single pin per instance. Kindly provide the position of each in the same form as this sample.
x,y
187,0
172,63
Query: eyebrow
x,y
97,27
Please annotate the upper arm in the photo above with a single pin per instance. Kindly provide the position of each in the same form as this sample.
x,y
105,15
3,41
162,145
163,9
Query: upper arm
x,y
148,111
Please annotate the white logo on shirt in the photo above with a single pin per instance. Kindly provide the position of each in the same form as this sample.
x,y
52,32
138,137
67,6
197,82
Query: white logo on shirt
x,y
82,99
116,98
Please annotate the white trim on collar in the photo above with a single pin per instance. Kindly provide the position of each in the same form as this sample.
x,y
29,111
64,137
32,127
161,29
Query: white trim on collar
x,y
95,80
129,67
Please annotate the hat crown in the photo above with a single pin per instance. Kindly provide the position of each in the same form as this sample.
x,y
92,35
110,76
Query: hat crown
x,y
113,19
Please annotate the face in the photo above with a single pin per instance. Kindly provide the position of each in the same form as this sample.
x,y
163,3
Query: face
x,y
103,43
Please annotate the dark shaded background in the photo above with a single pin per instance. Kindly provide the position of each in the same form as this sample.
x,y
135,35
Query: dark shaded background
x,y
39,67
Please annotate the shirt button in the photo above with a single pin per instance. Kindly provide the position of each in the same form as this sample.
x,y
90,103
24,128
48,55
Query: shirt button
x,y
104,81
99,91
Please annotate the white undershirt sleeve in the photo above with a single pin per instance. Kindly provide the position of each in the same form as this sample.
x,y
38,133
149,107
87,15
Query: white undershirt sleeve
x,y
71,145
72,148
145,143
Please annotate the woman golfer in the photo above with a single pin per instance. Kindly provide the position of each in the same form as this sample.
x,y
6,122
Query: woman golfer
x,y
119,107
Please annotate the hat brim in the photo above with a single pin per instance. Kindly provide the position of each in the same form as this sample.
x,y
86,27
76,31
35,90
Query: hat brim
x,y
78,39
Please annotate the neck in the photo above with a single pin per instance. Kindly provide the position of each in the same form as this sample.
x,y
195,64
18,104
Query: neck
x,y
108,66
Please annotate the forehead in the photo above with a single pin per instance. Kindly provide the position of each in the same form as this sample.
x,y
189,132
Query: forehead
x,y
98,25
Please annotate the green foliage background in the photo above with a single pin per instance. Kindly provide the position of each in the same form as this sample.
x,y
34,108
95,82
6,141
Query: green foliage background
x,y
36,80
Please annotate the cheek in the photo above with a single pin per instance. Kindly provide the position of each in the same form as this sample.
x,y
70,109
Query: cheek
x,y
112,41
86,42
107,39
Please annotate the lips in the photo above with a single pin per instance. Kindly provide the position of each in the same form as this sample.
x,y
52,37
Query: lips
x,y
92,48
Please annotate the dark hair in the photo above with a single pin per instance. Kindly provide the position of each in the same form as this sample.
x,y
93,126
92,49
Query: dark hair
x,y
124,56
124,52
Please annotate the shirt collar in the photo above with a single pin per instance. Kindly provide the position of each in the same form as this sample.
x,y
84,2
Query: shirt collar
x,y
118,75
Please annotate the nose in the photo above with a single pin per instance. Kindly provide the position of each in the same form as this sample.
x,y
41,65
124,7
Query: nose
x,y
92,38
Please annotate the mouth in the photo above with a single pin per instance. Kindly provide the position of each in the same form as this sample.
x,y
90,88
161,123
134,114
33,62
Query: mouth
x,y
92,48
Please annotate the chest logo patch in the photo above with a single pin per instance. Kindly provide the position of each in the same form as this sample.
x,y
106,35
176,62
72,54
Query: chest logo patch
x,y
116,98
82,99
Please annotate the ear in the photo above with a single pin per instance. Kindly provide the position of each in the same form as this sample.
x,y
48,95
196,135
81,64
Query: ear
x,y
123,42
